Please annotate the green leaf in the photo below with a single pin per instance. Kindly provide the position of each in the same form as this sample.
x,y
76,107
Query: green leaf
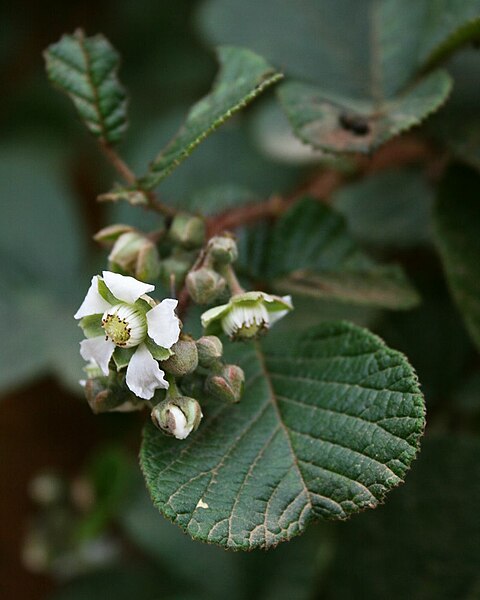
x,y
40,267
289,571
456,219
85,68
391,208
385,287
424,544
341,124
355,49
329,422
309,251
366,56
243,76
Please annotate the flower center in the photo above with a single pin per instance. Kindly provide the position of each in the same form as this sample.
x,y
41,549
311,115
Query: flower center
x,y
246,320
125,325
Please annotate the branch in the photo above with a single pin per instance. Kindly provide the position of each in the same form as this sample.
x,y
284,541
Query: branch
x,y
400,152
129,177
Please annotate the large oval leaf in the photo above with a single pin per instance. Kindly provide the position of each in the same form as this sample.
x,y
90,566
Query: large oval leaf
x,y
329,422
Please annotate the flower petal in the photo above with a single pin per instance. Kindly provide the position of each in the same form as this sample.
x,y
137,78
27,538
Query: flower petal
x,y
182,429
163,324
99,350
144,375
214,313
276,311
127,289
93,304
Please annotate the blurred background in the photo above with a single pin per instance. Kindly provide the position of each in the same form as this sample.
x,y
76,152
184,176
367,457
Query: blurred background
x,y
75,519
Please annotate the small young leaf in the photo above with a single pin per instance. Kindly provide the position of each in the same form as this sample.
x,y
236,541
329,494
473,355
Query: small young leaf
x,y
85,68
456,221
341,124
329,422
310,252
243,76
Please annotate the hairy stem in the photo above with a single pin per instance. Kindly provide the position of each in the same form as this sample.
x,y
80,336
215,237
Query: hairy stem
x,y
129,177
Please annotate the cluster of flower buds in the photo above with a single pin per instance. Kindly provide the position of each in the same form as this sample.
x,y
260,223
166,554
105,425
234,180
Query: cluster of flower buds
x,y
136,351
246,315
132,252
167,253
206,283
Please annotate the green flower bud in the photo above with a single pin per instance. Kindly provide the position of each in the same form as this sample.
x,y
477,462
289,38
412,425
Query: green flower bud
x,y
188,231
136,255
177,416
226,385
108,394
148,264
109,235
184,359
178,265
223,249
205,285
210,350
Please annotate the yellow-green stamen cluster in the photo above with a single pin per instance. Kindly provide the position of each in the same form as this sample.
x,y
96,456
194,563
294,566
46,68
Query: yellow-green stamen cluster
x,y
125,325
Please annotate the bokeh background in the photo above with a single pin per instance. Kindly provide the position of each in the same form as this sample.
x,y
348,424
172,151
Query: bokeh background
x,y
75,520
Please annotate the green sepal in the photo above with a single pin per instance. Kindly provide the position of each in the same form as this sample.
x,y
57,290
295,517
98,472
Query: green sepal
x,y
158,352
122,356
92,326
106,294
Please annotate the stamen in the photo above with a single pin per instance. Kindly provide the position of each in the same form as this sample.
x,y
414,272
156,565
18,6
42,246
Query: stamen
x,y
125,325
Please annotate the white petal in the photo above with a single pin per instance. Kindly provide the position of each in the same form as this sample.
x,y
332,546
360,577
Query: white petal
x,y
126,288
144,375
182,429
99,350
93,304
163,323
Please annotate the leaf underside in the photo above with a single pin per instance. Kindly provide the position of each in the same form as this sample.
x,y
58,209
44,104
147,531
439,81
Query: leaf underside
x,y
367,58
85,68
338,124
243,76
330,421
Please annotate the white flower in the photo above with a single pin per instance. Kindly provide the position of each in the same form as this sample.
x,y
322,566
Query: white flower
x,y
116,314
246,315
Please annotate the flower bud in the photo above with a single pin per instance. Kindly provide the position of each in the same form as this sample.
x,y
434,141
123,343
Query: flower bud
x,y
136,255
109,235
226,385
177,416
184,360
188,231
148,266
109,395
223,249
178,265
205,285
210,350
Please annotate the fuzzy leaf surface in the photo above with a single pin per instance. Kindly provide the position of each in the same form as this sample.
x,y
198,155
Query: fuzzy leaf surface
x,y
329,422
85,68
243,76
310,251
